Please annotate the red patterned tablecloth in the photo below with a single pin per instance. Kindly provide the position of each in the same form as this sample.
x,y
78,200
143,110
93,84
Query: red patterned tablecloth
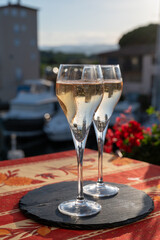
x,y
17,177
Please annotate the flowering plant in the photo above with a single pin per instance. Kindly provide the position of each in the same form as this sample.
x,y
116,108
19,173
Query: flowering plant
x,y
130,139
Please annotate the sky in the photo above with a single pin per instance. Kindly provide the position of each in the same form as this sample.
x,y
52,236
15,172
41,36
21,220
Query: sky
x,y
74,22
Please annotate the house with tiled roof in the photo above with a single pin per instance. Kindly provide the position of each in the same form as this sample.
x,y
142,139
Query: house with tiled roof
x,y
137,65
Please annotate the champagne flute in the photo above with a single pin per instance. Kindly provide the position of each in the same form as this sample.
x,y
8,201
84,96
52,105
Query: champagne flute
x,y
113,85
79,89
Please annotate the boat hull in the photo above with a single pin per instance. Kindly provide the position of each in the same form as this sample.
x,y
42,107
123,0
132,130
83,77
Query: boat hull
x,y
23,127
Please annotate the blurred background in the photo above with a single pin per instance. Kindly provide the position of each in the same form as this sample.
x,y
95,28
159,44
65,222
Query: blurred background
x,y
37,36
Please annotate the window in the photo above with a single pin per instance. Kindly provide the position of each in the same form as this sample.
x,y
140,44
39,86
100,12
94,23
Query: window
x,y
32,42
132,63
154,60
5,12
23,13
16,28
14,12
33,56
18,73
17,42
112,60
127,66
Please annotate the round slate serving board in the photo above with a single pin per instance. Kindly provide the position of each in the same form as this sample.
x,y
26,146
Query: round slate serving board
x,y
128,206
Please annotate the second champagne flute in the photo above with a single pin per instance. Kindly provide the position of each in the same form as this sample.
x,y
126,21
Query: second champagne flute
x,y
113,85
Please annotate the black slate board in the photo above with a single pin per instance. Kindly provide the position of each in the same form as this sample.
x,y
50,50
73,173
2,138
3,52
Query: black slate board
x,y
128,206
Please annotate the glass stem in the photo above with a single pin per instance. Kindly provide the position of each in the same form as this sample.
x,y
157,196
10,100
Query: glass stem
x,y
80,146
100,144
80,151
100,136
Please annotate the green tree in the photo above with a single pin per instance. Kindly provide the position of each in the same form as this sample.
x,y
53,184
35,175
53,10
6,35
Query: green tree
x,y
140,36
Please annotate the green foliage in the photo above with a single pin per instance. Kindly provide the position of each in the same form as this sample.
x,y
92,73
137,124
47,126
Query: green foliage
x,y
151,110
149,150
140,36
52,58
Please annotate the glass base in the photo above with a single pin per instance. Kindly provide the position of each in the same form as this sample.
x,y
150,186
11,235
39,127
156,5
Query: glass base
x,y
79,208
100,190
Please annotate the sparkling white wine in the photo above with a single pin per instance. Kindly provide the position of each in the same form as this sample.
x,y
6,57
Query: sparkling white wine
x,y
112,93
79,100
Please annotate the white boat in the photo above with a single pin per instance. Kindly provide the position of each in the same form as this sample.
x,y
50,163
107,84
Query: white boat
x,y
35,101
57,129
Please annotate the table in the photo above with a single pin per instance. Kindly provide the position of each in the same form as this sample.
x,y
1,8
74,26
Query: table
x,y
17,177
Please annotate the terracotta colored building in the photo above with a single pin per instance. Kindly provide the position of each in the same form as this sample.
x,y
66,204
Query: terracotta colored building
x,y
19,56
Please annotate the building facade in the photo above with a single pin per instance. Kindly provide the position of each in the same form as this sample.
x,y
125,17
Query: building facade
x,y
137,65
19,55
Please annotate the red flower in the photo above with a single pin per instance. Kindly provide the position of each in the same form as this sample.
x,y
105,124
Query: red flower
x,y
119,143
125,134
128,110
108,149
